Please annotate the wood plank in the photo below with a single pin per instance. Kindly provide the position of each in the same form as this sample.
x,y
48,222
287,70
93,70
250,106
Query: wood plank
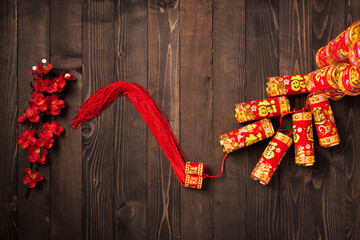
x,y
33,46
328,173
295,55
229,84
65,170
8,117
130,197
163,84
262,61
98,135
352,142
196,113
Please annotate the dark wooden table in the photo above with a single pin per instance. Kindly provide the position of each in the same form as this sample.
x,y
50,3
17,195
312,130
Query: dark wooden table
x,y
110,180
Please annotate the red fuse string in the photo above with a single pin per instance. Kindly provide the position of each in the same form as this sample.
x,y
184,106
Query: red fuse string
x,y
294,111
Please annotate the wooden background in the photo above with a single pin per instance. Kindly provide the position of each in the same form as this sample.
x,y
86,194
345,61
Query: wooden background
x,y
197,58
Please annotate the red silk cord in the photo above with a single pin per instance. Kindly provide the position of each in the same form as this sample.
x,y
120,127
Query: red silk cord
x,y
294,111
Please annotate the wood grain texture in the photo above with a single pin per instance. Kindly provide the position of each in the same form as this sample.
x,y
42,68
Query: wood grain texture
x,y
130,199
196,113
262,26
163,84
328,174
295,29
352,142
229,85
33,46
8,116
98,135
197,58
65,170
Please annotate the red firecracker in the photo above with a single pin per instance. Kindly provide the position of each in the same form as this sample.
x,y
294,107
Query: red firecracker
x,y
354,53
271,158
286,85
338,49
193,181
349,80
254,110
324,121
303,139
246,135
323,81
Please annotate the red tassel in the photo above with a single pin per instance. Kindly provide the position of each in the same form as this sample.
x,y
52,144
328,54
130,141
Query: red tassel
x,y
149,110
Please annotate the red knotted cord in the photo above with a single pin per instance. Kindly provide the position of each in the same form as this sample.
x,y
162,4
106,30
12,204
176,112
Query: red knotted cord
x,y
294,111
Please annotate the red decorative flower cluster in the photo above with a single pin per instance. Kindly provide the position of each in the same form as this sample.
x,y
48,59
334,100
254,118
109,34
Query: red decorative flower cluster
x,y
45,103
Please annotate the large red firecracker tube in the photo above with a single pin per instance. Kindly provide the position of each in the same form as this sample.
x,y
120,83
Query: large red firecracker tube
x,y
323,81
286,85
349,80
255,110
271,158
324,120
354,53
246,135
303,139
337,51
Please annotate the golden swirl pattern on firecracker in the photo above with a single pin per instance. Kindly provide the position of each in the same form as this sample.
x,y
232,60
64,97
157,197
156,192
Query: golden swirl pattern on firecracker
x,y
284,105
320,73
329,141
343,77
355,32
283,138
354,77
337,70
194,170
193,181
302,116
330,78
268,127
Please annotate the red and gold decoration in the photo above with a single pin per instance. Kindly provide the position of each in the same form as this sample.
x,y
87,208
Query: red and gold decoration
x,y
193,181
271,158
324,120
337,51
354,54
335,78
303,139
194,175
246,135
254,110
44,106
349,80
324,81
286,85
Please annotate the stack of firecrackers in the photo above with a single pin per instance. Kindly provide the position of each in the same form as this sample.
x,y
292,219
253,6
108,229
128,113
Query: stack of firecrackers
x,y
339,75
